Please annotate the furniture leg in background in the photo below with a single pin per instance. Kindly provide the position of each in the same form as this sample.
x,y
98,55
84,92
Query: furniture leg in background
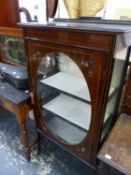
x,y
17,102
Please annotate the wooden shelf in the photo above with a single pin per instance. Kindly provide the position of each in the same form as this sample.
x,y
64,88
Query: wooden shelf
x,y
69,84
70,109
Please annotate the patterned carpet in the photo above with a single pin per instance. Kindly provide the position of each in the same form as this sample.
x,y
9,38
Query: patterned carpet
x,y
52,161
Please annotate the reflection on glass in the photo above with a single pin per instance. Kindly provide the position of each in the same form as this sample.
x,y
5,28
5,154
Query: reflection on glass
x,y
64,98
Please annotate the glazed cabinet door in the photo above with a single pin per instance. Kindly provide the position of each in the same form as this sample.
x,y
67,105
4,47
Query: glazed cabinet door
x,y
68,83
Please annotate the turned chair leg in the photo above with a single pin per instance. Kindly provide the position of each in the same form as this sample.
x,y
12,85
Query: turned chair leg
x,y
25,141
21,119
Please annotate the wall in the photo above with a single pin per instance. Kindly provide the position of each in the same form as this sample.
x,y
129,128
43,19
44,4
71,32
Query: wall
x,y
35,7
113,9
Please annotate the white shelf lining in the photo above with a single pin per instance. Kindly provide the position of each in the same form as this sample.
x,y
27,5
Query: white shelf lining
x,y
70,109
66,131
69,84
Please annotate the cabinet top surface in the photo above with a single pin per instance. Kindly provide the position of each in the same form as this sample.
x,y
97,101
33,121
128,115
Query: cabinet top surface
x,y
90,25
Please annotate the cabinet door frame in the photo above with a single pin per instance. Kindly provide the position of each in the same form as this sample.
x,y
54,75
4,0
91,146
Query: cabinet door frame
x,y
93,64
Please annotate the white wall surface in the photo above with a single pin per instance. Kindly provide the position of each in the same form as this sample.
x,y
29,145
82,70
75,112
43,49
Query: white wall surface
x,y
35,7
113,9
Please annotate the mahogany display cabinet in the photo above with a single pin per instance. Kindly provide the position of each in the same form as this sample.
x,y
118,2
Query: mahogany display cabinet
x,y
77,70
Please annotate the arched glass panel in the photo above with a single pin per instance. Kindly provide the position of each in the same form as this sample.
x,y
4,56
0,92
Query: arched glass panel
x,y
64,98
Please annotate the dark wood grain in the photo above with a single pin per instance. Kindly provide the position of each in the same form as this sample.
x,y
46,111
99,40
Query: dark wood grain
x,y
9,13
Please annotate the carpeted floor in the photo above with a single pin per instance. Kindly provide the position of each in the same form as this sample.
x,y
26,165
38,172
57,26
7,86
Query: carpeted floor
x,y
52,160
